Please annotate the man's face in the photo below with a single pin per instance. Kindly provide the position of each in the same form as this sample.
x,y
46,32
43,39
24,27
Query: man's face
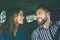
x,y
41,16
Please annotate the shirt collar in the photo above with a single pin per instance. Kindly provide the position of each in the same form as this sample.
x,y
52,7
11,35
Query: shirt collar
x,y
44,28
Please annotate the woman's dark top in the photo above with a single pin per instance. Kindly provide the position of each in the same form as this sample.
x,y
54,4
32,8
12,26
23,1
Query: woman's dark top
x,y
5,36
21,34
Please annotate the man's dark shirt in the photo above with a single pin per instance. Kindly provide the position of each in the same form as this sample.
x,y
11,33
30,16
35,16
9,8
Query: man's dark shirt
x,y
46,34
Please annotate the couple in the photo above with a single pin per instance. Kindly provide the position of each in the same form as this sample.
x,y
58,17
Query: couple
x,y
47,29
12,29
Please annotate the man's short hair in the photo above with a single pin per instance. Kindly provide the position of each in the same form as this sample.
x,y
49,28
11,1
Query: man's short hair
x,y
43,7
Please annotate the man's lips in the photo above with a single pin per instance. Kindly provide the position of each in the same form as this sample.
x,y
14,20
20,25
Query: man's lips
x,y
39,18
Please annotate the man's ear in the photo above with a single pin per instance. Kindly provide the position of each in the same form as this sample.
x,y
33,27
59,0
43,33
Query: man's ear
x,y
48,15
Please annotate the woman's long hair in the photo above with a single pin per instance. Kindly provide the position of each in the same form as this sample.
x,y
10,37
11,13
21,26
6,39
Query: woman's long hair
x,y
9,24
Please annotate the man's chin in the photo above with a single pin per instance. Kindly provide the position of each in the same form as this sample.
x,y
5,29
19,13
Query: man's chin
x,y
39,22
42,22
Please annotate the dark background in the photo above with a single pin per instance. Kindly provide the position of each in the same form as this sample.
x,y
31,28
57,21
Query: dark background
x,y
30,5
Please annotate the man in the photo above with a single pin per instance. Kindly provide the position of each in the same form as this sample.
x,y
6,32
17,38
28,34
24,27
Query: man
x,y
47,30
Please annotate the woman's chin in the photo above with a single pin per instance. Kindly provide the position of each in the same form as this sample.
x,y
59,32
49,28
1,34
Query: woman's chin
x,y
21,23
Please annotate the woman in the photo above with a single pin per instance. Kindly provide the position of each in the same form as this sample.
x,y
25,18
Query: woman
x,y
13,27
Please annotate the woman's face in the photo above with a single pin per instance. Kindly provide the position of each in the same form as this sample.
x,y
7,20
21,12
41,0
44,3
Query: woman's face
x,y
20,17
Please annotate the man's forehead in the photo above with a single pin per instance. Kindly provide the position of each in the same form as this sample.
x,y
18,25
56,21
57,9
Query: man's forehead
x,y
40,10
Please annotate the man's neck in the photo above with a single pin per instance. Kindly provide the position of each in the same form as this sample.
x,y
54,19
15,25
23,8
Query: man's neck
x,y
47,24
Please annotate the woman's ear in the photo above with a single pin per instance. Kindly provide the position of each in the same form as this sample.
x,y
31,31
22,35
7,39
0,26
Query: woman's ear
x,y
15,19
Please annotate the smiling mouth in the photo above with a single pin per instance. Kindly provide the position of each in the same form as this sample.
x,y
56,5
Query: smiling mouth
x,y
39,18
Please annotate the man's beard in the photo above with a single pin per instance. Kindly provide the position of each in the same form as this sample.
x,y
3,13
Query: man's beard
x,y
42,22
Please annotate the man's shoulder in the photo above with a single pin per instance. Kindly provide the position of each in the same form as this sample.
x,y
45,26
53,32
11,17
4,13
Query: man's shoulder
x,y
36,31
57,23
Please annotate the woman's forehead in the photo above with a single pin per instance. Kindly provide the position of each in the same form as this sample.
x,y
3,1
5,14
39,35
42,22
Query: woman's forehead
x,y
20,12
